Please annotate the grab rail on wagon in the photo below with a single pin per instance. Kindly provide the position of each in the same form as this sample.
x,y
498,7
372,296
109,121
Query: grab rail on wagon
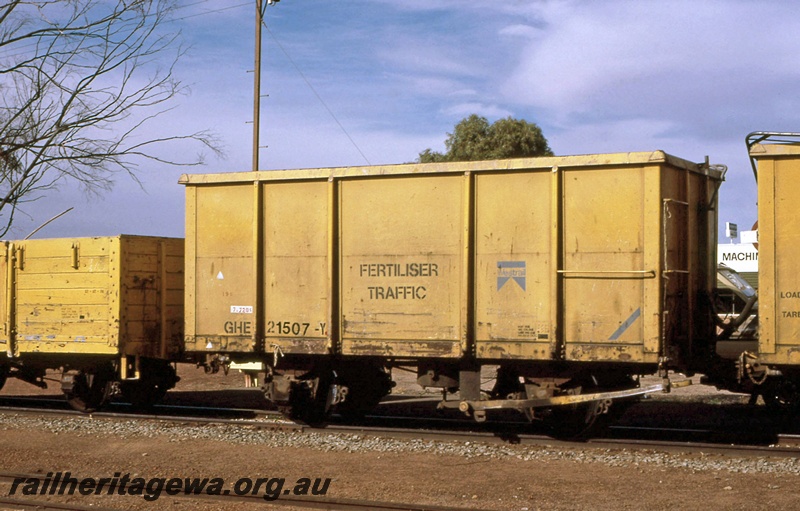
x,y
635,274
775,137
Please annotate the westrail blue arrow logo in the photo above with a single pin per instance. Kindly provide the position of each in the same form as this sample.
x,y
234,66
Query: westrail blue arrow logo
x,y
510,270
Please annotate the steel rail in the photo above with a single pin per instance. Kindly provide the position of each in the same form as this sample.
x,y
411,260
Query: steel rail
x,y
281,426
640,438
330,503
62,403
43,505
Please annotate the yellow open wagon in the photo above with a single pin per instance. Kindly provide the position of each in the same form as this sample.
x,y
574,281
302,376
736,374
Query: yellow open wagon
x,y
566,272
106,311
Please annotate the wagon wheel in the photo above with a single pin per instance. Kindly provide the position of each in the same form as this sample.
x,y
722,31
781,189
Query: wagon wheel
x,y
359,402
309,400
573,421
366,388
585,419
89,391
3,375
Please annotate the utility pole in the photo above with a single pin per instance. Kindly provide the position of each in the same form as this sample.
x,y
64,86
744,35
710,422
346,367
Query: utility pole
x,y
257,84
260,11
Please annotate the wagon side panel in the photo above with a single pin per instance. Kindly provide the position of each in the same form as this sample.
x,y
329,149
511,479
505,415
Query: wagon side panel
x,y
297,266
66,296
221,285
402,284
611,233
779,267
514,265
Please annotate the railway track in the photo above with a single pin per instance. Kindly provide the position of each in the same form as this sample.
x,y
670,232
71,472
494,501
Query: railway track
x,y
453,434
669,439
42,505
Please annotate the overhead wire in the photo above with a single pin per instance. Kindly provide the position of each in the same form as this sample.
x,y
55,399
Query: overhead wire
x,y
23,47
294,64
310,86
213,11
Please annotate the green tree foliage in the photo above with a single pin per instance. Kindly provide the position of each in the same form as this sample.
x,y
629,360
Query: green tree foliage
x,y
475,139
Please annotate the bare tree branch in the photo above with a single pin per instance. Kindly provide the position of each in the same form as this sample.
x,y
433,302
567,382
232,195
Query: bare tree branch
x,y
80,81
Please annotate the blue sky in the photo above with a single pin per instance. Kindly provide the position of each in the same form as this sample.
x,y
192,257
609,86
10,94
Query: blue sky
x,y
691,78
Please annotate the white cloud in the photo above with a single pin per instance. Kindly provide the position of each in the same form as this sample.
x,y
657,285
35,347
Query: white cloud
x,y
429,85
654,59
520,30
426,55
614,136
687,77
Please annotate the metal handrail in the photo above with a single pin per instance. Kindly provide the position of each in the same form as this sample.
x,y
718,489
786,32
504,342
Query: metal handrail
x,y
647,274
776,137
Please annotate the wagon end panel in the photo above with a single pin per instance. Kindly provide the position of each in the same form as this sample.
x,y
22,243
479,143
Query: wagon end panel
x,y
403,270
6,297
703,190
151,289
689,263
221,268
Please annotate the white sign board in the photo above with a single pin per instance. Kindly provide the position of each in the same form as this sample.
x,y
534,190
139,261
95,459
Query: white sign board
x,y
731,230
742,257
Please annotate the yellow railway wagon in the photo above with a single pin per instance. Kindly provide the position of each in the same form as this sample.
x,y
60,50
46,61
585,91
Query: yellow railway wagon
x,y
449,266
761,343
106,309
779,268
